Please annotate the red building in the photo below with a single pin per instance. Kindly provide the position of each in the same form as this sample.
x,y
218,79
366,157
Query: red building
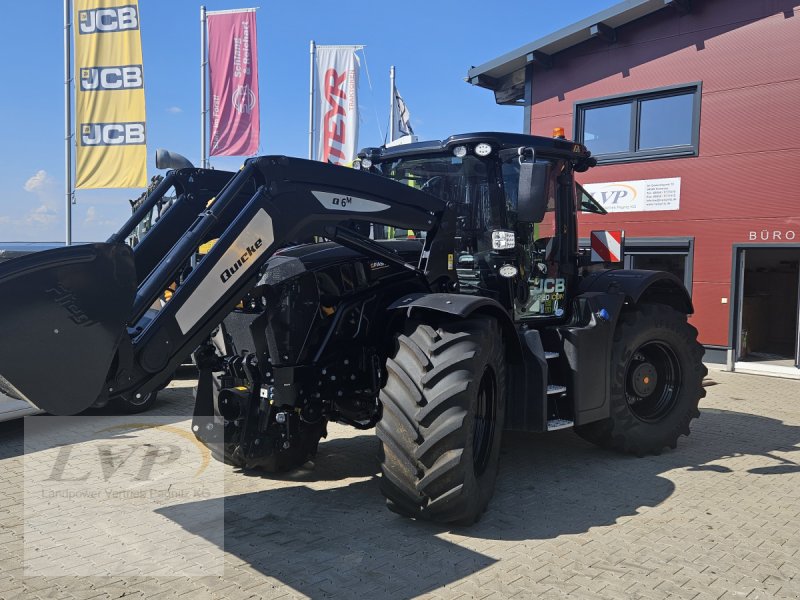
x,y
692,108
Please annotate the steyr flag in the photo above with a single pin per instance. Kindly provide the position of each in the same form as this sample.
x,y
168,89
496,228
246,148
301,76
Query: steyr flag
x,y
233,78
336,107
109,95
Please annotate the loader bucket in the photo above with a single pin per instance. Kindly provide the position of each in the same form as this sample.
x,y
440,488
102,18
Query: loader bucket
x,y
62,315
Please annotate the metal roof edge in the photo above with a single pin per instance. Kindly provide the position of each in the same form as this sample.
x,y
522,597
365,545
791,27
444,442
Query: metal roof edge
x,y
615,16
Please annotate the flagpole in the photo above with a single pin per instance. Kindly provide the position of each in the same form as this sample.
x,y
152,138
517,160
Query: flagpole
x,y
67,123
203,93
313,52
391,105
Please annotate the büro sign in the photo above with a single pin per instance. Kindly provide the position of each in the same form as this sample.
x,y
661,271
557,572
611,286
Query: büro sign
x,y
773,235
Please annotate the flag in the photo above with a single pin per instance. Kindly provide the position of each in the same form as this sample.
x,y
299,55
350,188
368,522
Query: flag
x,y
233,79
109,96
402,118
336,104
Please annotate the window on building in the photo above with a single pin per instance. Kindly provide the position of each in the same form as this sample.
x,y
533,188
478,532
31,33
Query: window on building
x,y
671,254
648,125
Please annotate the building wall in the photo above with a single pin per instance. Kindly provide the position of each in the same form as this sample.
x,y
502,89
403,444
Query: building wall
x,y
746,178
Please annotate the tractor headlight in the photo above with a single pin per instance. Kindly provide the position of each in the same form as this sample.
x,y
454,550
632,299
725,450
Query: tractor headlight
x,y
357,164
366,163
503,240
508,271
483,149
460,151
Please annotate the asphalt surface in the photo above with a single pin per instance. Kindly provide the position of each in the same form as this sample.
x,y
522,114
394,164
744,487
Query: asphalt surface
x,y
717,518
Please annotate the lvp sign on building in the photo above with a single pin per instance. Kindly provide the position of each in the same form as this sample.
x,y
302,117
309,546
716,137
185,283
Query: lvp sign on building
x,y
637,196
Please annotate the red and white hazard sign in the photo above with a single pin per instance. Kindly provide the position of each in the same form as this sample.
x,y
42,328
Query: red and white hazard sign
x,y
607,246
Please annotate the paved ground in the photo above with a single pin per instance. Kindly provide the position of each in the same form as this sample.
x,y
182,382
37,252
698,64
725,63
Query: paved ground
x,y
717,518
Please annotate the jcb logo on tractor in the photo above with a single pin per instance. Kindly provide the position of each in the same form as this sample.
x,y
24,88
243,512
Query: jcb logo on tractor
x,y
549,286
108,20
112,134
96,79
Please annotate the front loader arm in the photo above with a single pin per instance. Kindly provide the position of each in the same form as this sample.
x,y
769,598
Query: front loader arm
x,y
294,200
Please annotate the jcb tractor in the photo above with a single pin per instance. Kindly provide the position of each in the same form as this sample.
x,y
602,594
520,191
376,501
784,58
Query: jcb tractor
x,y
491,319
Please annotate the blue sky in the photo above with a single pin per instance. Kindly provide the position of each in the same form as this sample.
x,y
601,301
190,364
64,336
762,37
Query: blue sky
x,y
432,44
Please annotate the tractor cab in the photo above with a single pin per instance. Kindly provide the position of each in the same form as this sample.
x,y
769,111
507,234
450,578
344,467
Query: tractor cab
x,y
511,194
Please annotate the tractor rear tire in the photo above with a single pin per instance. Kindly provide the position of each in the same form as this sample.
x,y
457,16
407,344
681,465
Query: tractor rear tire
x,y
443,413
656,382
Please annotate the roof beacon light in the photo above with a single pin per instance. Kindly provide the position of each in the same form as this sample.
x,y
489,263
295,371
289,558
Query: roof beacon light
x,y
460,151
558,132
483,149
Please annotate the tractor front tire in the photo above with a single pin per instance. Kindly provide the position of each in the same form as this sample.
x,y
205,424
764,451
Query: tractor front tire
x,y
443,412
656,382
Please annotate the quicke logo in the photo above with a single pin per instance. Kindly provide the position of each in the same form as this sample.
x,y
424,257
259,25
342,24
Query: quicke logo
x,y
251,250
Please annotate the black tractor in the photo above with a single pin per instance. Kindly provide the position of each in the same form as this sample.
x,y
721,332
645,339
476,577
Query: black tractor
x,y
436,292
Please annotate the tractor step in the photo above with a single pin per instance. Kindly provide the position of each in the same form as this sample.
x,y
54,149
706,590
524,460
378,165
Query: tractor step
x,y
550,355
556,424
552,390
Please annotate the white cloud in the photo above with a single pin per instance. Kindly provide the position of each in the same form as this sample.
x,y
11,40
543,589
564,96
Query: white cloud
x,y
91,215
41,181
94,218
43,215
175,110
44,188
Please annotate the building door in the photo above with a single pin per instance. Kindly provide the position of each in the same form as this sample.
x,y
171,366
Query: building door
x,y
768,316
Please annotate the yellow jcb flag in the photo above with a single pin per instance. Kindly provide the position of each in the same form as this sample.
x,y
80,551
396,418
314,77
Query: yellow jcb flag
x,y
109,91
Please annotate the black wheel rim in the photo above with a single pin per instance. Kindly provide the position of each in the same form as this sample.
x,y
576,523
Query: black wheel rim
x,y
134,401
484,422
652,381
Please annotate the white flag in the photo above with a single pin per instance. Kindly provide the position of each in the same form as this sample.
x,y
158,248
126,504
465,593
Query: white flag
x,y
402,118
336,105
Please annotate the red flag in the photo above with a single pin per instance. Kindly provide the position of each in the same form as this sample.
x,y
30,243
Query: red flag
x,y
233,77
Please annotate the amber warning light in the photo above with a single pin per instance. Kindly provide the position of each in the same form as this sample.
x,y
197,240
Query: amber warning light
x,y
558,132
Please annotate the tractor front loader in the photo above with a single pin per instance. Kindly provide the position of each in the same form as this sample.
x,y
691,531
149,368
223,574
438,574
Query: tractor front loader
x,y
490,319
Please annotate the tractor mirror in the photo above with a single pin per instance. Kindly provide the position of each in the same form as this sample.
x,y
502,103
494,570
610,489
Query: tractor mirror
x,y
534,191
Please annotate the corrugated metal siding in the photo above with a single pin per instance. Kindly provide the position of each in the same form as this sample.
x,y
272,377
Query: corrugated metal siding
x,y
747,176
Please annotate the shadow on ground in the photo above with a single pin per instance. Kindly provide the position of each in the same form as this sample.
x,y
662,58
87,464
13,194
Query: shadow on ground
x,y
321,541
